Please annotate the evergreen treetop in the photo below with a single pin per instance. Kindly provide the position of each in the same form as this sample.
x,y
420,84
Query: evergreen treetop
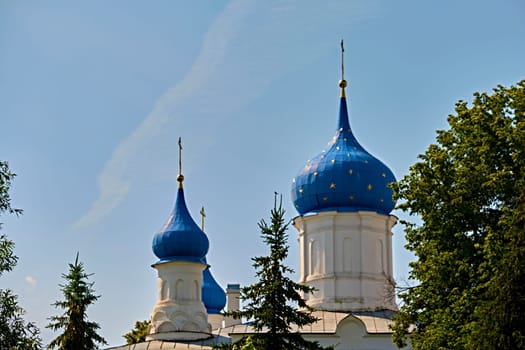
x,y
274,304
78,332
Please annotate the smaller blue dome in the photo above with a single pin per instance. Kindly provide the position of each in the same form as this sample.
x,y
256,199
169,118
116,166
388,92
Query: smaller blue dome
x,y
213,296
180,238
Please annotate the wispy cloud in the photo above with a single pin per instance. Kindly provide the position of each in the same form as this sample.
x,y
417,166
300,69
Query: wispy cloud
x,y
30,280
112,182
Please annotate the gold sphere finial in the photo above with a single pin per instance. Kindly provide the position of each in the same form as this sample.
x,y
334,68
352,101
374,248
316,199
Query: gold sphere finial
x,y
343,83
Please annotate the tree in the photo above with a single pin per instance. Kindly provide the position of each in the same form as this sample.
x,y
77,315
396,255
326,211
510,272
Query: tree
x,y
468,189
15,333
137,334
78,332
272,301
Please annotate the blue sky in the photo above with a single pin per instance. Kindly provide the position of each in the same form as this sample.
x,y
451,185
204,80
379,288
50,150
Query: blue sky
x,y
94,95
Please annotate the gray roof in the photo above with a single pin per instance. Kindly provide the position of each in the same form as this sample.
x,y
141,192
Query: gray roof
x,y
375,322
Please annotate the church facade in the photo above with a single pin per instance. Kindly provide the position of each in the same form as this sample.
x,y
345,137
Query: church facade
x,y
345,241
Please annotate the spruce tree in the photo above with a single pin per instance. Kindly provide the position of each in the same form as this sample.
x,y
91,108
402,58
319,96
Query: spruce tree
x,y
271,303
78,332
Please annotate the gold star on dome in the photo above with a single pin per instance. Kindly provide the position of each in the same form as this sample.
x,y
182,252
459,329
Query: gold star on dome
x,y
332,185
369,187
325,199
315,173
351,198
338,148
301,191
383,174
381,200
366,161
345,139
333,161
350,171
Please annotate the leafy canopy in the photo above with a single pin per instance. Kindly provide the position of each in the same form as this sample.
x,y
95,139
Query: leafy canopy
x,y
138,333
78,332
468,189
271,303
15,333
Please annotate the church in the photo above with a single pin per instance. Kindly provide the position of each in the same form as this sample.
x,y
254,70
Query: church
x,y
344,227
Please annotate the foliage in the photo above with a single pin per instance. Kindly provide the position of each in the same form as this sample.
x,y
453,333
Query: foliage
x,y
271,302
6,176
15,333
137,334
468,189
78,332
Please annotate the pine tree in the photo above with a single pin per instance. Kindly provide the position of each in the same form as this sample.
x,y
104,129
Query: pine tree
x,y
272,301
78,332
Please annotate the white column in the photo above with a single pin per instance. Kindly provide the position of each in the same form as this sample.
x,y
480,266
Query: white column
x,y
348,258
179,313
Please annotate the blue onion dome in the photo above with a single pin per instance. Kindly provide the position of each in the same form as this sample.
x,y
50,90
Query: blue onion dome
x,y
180,238
213,296
344,177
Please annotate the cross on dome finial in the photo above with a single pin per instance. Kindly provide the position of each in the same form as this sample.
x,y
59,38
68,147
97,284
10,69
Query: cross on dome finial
x,y
180,177
203,215
342,82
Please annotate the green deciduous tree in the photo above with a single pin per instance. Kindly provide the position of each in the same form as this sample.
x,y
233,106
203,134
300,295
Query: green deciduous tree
x,y
271,303
15,333
468,189
78,332
138,333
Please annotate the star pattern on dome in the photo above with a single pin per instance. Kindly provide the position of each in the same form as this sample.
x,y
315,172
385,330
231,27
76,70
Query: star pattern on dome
x,y
343,177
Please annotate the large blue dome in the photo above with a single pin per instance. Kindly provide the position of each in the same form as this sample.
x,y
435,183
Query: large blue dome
x,y
344,177
213,296
180,238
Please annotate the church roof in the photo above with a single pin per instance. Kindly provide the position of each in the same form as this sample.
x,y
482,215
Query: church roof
x,y
159,344
213,296
344,176
376,322
180,239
